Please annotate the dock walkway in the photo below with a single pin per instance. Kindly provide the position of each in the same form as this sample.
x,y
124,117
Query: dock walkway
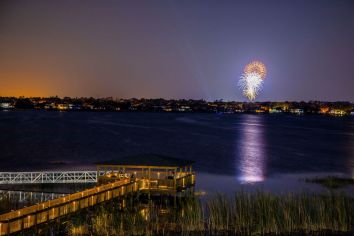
x,y
45,212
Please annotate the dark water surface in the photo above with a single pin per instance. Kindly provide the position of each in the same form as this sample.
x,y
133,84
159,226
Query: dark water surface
x,y
237,148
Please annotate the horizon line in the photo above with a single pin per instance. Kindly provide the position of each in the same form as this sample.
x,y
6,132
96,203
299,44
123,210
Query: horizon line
x,y
168,99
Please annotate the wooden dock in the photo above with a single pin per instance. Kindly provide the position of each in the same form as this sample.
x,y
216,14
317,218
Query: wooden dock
x,y
45,212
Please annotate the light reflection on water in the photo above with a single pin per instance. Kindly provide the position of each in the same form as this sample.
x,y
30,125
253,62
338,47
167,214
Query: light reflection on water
x,y
252,162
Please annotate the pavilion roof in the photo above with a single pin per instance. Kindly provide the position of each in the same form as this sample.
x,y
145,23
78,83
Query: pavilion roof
x,y
148,160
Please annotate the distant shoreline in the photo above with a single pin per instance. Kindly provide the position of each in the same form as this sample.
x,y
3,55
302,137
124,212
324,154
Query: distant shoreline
x,y
175,106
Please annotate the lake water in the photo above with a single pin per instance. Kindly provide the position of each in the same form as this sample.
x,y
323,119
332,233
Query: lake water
x,y
231,151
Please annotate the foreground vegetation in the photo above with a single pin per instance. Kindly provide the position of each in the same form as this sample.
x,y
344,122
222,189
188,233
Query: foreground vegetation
x,y
245,213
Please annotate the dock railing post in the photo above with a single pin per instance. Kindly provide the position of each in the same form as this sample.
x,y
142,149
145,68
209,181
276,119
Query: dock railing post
x,y
149,182
8,228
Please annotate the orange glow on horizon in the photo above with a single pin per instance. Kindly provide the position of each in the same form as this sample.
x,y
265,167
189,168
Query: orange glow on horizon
x,y
20,84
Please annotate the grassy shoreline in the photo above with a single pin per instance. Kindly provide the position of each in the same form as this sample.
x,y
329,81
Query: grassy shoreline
x,y
258,213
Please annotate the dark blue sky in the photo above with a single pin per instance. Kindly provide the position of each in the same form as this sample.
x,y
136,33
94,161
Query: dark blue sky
x,y
177,49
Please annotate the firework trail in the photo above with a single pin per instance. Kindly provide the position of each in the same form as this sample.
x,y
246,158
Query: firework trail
x,y
252,79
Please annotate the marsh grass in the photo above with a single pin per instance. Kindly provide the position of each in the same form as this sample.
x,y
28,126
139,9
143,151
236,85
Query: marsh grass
x,y
331,182
190,215
265,213
243,214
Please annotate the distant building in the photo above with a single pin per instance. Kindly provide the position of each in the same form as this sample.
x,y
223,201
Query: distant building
x,y
275,110
6,105
184,108
324,110
167,109
49,106
260,111
265,108
74,107
88,106
297,111
337,112
63,107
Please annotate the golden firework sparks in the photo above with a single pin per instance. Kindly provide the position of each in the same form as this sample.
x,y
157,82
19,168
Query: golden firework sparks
x,y
256,67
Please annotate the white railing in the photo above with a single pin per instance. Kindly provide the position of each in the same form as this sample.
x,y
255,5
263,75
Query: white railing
x,y
45,177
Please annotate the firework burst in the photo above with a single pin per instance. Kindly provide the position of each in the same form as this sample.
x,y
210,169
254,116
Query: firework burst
x,y
251,80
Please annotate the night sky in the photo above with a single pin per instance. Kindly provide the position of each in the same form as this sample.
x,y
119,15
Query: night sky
x,y
177,49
